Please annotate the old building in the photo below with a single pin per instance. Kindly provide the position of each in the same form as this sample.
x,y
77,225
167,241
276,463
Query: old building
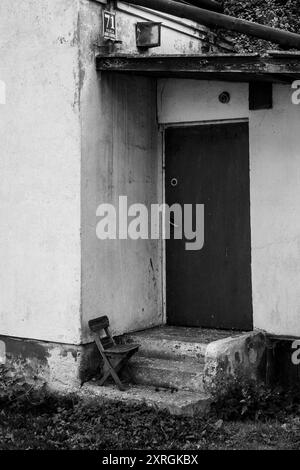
x,y
87,119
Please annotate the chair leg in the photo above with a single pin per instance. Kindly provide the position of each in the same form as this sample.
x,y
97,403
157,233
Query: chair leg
x,y
121,365
118,381
113,371
104,378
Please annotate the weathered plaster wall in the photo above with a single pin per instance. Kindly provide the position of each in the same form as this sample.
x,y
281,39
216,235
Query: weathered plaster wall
x,y
198,100
274,187
40,171
275,214
121,279
178,35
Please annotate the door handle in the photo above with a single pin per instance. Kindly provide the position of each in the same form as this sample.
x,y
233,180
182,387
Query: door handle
x,y
174,182
174,225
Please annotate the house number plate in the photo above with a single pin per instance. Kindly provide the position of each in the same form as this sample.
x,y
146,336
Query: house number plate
x,y
109,24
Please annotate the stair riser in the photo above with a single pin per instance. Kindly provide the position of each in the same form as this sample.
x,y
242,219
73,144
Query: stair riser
x,y
171,349
167,378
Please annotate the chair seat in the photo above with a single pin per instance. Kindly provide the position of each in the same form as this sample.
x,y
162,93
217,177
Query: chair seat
x,y
122,348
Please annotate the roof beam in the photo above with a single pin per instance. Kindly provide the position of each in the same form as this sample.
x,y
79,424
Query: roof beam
x,y
238,67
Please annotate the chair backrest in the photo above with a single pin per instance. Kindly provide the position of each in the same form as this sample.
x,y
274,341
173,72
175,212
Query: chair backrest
x,y
97,325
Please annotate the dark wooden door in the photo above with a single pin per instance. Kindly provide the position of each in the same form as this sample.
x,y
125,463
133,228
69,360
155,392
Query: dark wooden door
x,y
210,287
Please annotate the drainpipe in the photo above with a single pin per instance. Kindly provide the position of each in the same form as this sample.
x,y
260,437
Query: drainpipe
x,y
213,19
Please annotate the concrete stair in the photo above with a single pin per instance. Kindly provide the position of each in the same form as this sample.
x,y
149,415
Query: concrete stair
x,y
167,370
168,373
169,343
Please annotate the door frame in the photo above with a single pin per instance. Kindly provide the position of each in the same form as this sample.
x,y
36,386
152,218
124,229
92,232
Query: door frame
x,y
162,183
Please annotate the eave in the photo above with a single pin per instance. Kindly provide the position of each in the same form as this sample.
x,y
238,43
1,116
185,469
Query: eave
x,y
276,66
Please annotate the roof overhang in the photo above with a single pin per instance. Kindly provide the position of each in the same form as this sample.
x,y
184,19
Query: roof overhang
x,y
278,67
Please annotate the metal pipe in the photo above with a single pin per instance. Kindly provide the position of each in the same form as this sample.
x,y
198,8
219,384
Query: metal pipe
x,y
211,18
211,5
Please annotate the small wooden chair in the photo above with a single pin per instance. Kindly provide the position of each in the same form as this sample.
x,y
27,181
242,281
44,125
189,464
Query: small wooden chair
x,y
115,356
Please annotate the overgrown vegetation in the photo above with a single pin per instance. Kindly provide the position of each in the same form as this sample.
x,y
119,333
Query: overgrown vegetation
x,y
245,399
247,417
282,14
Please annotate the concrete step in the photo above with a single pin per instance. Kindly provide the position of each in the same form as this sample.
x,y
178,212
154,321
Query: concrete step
x,y
180,403
176,343
167,373
167,347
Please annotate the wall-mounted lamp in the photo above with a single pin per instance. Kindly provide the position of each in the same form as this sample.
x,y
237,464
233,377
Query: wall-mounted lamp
x,y
148,34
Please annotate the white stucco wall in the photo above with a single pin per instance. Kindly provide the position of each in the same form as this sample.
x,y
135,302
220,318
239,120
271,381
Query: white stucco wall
x,y
274,187
275,214
40,171
198,100
178,35
120,278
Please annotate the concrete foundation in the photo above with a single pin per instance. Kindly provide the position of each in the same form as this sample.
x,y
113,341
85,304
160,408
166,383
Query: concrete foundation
x,y
62,367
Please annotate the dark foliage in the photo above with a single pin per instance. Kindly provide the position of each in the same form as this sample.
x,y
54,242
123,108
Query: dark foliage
x,y
282,14
246,399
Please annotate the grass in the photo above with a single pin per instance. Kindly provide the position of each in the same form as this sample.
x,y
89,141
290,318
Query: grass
x,y
68,423
246,415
